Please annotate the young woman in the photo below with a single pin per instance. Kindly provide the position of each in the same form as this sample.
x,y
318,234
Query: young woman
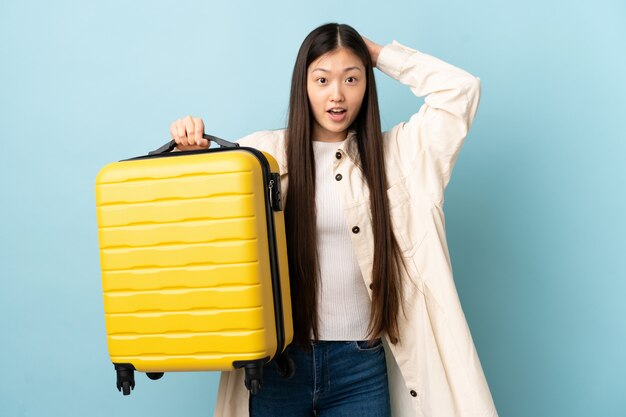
x,y
379,328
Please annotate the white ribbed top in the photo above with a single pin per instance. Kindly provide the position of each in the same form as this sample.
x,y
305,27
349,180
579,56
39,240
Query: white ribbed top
x,y
343,302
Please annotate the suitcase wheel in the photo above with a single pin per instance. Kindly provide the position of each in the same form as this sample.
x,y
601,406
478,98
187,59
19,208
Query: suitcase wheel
x,y
253,373
255,386
154,375
125,378
126,387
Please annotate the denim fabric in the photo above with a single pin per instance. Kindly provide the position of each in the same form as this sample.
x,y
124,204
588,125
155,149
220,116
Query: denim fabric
x,y
334,379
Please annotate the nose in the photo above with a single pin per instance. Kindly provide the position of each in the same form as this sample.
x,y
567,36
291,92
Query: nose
x,y
336,95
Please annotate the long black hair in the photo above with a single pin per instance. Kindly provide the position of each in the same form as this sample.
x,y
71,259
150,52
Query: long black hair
x,y
300,213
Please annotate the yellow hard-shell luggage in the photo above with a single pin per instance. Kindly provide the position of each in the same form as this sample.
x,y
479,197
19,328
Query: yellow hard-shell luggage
x,y
194,262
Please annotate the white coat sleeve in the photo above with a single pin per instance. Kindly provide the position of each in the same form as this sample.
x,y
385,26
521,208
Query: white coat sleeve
x,y
434,135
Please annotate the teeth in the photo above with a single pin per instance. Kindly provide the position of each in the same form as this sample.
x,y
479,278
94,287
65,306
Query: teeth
x,y
337,111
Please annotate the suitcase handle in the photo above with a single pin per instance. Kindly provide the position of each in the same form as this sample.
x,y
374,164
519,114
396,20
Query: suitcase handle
x,y
172,144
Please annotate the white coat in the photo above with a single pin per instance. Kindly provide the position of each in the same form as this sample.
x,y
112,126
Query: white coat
x,y
434,370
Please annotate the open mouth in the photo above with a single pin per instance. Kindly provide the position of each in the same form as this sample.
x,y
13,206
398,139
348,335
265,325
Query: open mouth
x,y
337,114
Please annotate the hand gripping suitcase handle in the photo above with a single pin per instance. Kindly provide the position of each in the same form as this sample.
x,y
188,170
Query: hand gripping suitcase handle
x,y
169,146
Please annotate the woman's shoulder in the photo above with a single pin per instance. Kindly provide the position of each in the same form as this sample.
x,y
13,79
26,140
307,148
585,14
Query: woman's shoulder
x,y
270,141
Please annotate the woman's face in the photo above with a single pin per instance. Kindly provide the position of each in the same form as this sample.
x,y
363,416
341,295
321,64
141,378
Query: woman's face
x,y
336,84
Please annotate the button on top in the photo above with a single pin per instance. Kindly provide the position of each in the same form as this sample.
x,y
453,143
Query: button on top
x,y
413,393
338,155
356,229
338,177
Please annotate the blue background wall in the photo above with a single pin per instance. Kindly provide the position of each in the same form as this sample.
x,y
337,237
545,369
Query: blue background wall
x,y
535,208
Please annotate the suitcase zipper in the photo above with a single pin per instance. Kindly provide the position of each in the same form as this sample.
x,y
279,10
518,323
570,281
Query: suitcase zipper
x,y
275,195
273,201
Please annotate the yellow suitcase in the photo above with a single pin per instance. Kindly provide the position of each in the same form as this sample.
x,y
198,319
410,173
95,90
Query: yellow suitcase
x,y
194,262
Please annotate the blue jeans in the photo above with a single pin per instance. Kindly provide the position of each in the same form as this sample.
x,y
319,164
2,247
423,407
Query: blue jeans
x,y
334,379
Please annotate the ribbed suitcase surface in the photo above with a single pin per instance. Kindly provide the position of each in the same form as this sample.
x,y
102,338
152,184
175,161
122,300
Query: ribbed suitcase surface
x,y
185,262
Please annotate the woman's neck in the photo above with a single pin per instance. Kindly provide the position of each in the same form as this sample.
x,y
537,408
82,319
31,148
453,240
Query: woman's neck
x,y
327,136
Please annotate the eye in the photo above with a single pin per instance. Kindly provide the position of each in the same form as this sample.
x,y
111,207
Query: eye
x,y
351,80
321,80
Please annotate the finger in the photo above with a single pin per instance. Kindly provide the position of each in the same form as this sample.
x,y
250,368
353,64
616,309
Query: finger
x,y
182,135
204,143
199,129
189,130
173,132
180,132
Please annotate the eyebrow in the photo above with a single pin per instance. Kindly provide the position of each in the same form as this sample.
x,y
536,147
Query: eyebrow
x,y
345,69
